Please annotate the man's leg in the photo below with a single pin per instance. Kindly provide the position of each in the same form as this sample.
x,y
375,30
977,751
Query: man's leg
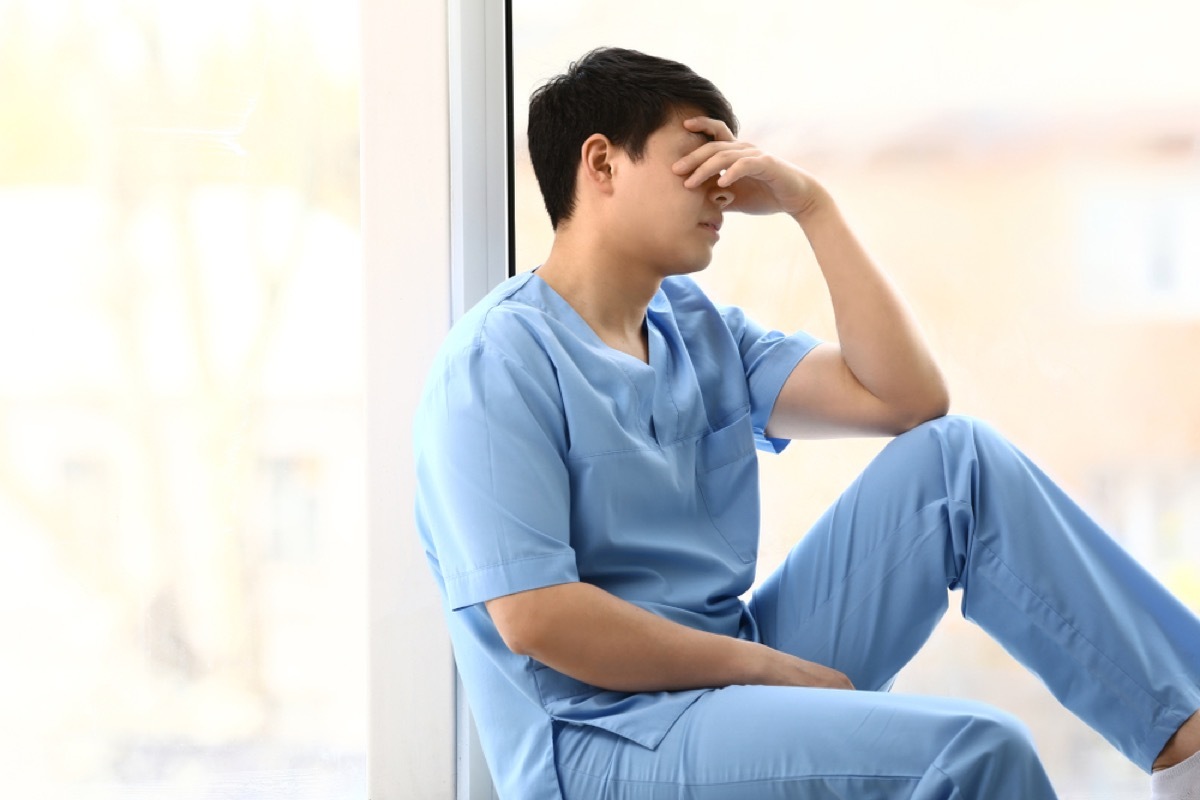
x,y
1183,745
784,743
952,504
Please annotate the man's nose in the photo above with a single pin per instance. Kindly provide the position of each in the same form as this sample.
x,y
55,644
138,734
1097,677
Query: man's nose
x,y
721,195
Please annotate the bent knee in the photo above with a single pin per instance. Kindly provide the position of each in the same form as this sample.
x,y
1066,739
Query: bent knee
x,y
931,442
962,424
952,435
994,739
993,724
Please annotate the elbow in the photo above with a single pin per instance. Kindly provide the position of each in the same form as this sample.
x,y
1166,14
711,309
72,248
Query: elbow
x,y
518,624
935,400
516,642
522,640
537,622
516,636
939,403
935,404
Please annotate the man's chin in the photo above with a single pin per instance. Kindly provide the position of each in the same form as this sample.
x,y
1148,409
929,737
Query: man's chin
x,y
692,267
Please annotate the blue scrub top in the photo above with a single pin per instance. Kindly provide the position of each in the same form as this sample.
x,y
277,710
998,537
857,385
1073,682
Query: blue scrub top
x,y
544,456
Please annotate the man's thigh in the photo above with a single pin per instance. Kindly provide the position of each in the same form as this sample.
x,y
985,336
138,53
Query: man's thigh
x,y
763,742
864,588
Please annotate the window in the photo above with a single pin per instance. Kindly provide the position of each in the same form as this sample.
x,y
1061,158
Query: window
x,y
182,490
1154,511
291,491
1140,246
89,508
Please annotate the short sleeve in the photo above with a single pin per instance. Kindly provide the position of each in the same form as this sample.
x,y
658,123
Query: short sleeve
x,y
493,497
768,358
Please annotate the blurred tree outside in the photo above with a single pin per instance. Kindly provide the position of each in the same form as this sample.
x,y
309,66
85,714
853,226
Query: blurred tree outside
x,y
180,280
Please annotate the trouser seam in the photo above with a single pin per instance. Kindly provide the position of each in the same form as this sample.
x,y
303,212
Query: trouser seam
x,y
1119,691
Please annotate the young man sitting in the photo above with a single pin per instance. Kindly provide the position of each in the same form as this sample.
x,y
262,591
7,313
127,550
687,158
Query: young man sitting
x,y
588,501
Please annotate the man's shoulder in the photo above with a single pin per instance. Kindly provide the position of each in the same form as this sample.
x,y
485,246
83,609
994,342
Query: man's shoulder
x,y
506,324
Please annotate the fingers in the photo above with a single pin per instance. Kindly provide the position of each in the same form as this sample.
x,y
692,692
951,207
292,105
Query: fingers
x,y
723,156
768,184
721,139
837,681
777,668
715,158
711,127
843,682
827,677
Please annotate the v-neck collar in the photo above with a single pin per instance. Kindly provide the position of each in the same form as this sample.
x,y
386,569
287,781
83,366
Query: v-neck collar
x,y
566,313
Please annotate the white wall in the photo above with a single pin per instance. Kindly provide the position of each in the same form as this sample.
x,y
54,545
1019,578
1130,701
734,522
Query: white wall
x,y
405,179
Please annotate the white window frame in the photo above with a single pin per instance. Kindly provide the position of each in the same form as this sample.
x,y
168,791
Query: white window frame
x,y
436,188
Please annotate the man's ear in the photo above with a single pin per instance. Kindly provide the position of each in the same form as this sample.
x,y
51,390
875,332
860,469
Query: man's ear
x,y
596,162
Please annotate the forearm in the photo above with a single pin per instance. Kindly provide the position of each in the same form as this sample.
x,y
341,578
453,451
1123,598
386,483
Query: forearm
x,y
593,636
879,338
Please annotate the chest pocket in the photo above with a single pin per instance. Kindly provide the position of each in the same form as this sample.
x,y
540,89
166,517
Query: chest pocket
x,y
727,472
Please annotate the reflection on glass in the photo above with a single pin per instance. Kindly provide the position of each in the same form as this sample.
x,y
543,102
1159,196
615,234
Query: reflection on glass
x,y
1029,176
181,487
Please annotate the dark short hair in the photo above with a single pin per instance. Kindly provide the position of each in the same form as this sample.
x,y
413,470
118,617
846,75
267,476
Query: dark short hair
x,y
622,94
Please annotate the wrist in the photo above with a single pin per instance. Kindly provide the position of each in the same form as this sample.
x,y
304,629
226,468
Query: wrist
x,y
819,202
753,664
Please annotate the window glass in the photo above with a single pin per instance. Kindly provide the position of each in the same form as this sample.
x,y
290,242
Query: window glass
x,y
181,401
1027,173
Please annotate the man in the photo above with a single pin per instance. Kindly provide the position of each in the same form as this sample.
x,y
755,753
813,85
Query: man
x,y
588,502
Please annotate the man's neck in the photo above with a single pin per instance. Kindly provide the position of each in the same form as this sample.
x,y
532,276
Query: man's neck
x,y
610,296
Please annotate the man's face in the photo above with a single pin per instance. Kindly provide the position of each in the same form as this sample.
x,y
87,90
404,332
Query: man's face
x,y
655,220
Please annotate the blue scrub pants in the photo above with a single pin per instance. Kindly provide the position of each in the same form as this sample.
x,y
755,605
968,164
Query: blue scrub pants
x,y
948,504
